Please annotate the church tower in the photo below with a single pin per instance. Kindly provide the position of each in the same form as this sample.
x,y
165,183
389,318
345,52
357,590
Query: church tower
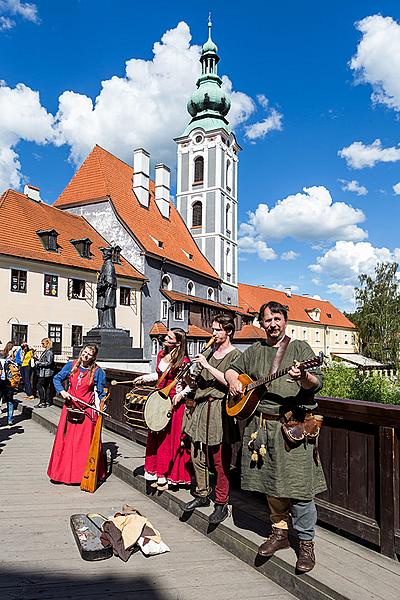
x,y
207,173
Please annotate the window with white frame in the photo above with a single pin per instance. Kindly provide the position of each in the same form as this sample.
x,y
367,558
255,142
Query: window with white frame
x,y
200,346
197,214
317,336
178,311
164,309
336,338
191,291
191,348
305,334
210,294
166,283
154,347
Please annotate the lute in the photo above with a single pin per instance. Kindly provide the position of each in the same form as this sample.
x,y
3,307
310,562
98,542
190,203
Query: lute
x,y
242,407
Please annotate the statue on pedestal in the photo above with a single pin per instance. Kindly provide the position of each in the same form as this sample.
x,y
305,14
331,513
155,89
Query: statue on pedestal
x,y
107,291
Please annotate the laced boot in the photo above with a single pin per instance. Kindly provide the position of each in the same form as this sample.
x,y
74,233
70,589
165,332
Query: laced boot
x,y
306,559
276,541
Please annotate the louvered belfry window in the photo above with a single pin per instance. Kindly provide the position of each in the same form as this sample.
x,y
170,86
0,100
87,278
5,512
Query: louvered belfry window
x,y
197,217
198,169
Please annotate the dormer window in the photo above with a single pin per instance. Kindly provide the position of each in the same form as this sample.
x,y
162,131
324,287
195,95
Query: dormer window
x,y
82,247
158,243
314,313
48,237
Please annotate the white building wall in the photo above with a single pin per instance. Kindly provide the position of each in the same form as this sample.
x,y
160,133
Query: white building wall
x,y
36,310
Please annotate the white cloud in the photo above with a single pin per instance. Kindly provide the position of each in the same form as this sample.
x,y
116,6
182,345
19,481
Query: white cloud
x,y
26,10
377,60
250,245
21,118
145,108
311,215
353,186
272,122
347,260
289,255
345,292
396,189
359,155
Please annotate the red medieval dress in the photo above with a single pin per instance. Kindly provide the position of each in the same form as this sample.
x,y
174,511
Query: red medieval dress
x,y
166,458
72,443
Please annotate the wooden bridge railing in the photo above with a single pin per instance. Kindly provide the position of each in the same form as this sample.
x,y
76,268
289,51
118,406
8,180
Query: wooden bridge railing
x,y
359,447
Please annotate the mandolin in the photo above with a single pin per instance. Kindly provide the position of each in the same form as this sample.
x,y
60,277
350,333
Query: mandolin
x,y
90,479
242,407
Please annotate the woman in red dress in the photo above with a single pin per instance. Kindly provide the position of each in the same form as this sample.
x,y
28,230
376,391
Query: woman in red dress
x,y
167,461
72,443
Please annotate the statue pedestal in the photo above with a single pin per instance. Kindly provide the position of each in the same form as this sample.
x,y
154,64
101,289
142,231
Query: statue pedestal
x,y
114,345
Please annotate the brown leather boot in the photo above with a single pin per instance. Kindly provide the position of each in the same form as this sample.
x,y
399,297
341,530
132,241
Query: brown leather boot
x,y
276,541
306,559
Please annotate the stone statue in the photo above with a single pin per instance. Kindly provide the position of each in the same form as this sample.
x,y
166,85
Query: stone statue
x,y
107,292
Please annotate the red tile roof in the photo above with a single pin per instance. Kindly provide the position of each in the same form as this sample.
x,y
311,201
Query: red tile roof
x,y
158,328
180,297
251,297
250,332
195,331
104,176
21,217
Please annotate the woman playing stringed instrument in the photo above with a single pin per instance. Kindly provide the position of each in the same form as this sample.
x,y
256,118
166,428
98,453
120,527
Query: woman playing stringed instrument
x,y
167,460
77,422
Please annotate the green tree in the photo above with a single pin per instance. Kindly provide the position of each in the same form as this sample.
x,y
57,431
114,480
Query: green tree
x,y
378,313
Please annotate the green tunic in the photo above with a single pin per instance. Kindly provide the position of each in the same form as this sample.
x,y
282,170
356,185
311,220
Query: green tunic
x,y
281,473
221,427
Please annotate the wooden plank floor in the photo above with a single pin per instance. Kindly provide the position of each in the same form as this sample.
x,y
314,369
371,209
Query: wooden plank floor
x,y
39,557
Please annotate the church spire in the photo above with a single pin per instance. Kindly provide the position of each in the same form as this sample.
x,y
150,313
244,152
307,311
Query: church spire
x,y
209,103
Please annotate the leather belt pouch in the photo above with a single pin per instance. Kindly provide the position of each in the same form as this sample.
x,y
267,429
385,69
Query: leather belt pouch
x,y
75,415
296,432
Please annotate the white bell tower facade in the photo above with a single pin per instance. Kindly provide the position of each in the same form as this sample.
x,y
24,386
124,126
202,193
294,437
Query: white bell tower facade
x,y
207,175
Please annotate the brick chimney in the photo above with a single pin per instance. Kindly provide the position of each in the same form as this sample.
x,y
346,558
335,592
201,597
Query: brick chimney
x,y
140,183
163,184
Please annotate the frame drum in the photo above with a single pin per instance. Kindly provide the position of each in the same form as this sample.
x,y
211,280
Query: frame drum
x,y
157,411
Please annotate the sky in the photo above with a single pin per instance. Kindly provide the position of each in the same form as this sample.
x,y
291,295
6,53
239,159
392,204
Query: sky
x,y
315,91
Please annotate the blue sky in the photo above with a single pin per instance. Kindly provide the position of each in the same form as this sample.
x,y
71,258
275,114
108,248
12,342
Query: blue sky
x,y
316,100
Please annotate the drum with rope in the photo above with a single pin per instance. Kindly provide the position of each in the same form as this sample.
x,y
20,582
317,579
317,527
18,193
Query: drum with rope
x,y
135,401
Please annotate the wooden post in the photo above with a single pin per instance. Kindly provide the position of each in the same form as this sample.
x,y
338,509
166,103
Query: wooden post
x,y
389,503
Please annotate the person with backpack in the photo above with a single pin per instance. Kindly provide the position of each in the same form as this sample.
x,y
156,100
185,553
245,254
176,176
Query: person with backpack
x,y
26,369
45,370
9,374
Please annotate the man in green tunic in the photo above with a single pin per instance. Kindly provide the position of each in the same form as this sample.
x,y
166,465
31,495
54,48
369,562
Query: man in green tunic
x,y
207,423
289,476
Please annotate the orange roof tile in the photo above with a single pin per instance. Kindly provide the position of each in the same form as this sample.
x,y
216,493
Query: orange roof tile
x,y
21,217
195,331
101,176
251,297
158,328
250,332
180,297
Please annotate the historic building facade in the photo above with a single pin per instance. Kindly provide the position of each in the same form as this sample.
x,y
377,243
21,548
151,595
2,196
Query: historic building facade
x,y
207,174
49,262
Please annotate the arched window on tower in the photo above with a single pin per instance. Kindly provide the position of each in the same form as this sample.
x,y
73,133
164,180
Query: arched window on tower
x,y
228,175
228,219
210,294
166,283
197,214
198,169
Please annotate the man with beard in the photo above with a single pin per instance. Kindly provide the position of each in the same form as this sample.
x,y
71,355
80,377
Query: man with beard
x,y
206,423
289,474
